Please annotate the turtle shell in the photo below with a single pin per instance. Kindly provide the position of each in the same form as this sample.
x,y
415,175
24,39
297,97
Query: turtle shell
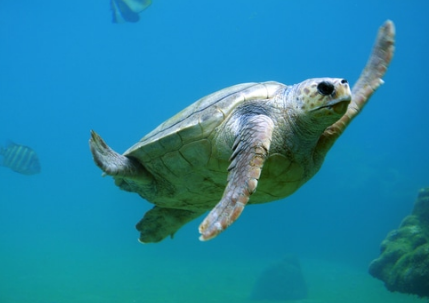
x,y
199,119
189,168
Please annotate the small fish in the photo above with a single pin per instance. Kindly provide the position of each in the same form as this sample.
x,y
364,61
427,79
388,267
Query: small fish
x,y
128,10
19,158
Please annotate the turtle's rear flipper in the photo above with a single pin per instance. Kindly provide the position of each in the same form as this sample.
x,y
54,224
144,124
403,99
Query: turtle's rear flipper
x,y
159,223
114,164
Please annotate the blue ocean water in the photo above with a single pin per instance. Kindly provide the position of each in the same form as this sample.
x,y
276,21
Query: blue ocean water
x,y
67,235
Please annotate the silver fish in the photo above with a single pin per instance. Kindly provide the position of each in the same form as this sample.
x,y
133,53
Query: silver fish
x,y
21,159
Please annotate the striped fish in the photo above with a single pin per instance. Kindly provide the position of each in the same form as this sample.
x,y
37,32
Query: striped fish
x,y
20,158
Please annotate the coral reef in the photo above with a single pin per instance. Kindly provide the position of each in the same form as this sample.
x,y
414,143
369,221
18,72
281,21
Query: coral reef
x,y
281,281
403,264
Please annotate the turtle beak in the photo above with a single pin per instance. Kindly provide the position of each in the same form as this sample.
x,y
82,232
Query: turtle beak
x,y
339,105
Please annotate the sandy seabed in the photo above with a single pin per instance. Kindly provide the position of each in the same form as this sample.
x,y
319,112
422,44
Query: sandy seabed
x,y
108,279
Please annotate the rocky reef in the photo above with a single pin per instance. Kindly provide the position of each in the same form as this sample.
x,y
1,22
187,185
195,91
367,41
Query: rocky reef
x,y
403,264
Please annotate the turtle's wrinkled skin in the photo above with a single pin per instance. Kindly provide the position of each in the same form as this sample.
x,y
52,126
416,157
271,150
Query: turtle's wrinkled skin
x,y
247,144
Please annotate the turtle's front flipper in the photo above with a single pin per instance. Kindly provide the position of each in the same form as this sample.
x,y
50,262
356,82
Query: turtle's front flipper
x,y
159,223
368,82
249,153
114,164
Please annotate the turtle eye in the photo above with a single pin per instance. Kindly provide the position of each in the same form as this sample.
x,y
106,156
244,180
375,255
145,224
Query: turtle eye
x,y
325,88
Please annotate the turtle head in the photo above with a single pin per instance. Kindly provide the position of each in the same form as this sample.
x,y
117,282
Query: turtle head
x,y
320,100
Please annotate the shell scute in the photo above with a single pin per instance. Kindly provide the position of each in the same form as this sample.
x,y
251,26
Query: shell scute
x,y
197,153
198,120
177,164
172,142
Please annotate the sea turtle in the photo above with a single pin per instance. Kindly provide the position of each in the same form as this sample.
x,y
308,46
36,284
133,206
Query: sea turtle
x,y
246,144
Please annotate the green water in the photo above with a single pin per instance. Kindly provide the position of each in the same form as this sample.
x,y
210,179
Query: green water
x,y
97,277
67,235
